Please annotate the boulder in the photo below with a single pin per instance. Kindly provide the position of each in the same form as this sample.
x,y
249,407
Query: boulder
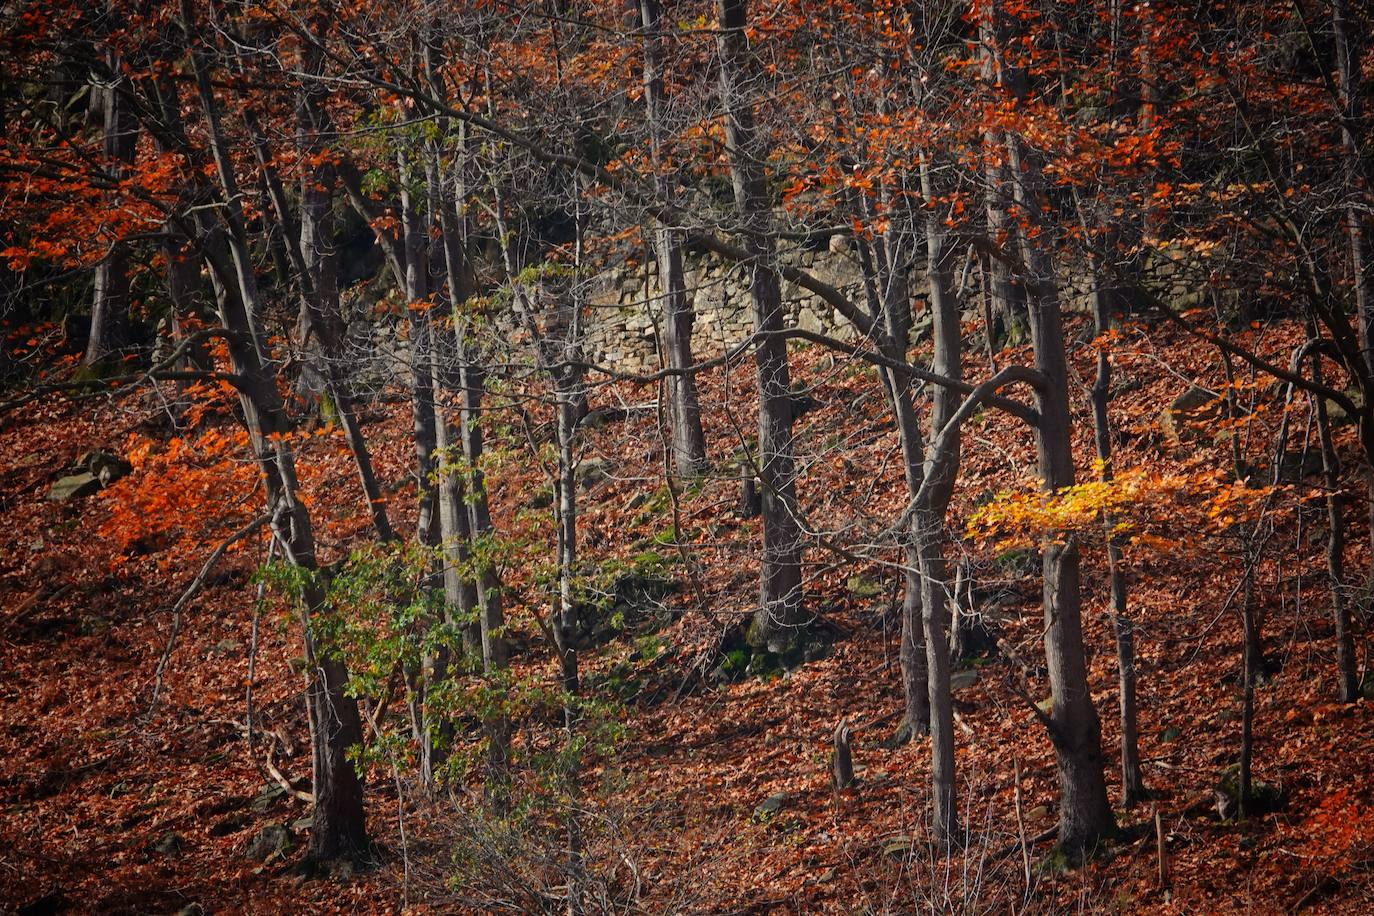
x,y
271,842
1191,414
73,486
770,806
105,466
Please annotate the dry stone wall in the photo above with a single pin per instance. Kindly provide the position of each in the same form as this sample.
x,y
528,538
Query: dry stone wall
x,y
625,311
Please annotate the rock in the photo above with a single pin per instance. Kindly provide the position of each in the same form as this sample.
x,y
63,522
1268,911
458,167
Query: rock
x,y
267,797
861,587
105,466
1038,813
45,905
770,806
539,499
898,846
231,824
964,678
1172,733
598,417
1191,413
592,471
271,842
169,844
74,486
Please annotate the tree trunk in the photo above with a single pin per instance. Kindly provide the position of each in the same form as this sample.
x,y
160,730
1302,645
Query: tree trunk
x,y
316,265
780,615
1132,780
941,470
1085,815
1348,49
338,826
1347,682
687,439
1006,297
110,302
1250,667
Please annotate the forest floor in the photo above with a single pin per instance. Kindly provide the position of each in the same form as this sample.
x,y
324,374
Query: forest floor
x,y
109,803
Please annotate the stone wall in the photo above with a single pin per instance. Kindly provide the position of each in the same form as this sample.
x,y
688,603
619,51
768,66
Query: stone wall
x,y
625,310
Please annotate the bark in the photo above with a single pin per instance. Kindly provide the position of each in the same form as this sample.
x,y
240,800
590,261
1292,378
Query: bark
x,y
841,760
780,615
110,302
1085,814
941,470
338,828
316,267
474,527
1348,48
1250,668
1132,780
687,439
1006,297
1347,681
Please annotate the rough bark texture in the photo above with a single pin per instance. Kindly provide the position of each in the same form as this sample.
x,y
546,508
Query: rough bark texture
x,y
941,470
1132,780
110,302
1085,815
1347,679
687,439
780,615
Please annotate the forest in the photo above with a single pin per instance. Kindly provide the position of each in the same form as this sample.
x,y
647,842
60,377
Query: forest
x,y
686,456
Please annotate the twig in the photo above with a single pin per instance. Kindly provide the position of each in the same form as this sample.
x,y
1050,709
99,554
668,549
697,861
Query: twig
x,y
281,780
191,591
1021,826
1161,854
253,662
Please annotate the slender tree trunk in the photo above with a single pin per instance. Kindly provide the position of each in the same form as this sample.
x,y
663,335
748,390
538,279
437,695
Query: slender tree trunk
x,y
1006,297
941,471
472,483
424,411
316,264
110,303
1348,47
687,439
1132,780
1250,666
338,828
1085,815
338,822
1347,682
781,614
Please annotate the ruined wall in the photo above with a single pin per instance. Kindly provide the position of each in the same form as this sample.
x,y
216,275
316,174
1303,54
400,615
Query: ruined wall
x,y
625,310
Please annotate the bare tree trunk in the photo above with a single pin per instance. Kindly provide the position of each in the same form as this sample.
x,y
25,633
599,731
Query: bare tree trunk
x,y
338,828
1347,682
1132,780
475,527
1348,49
941,470
1006,297
314,259
1085,815
780,615
110,303
1250,666
687,439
